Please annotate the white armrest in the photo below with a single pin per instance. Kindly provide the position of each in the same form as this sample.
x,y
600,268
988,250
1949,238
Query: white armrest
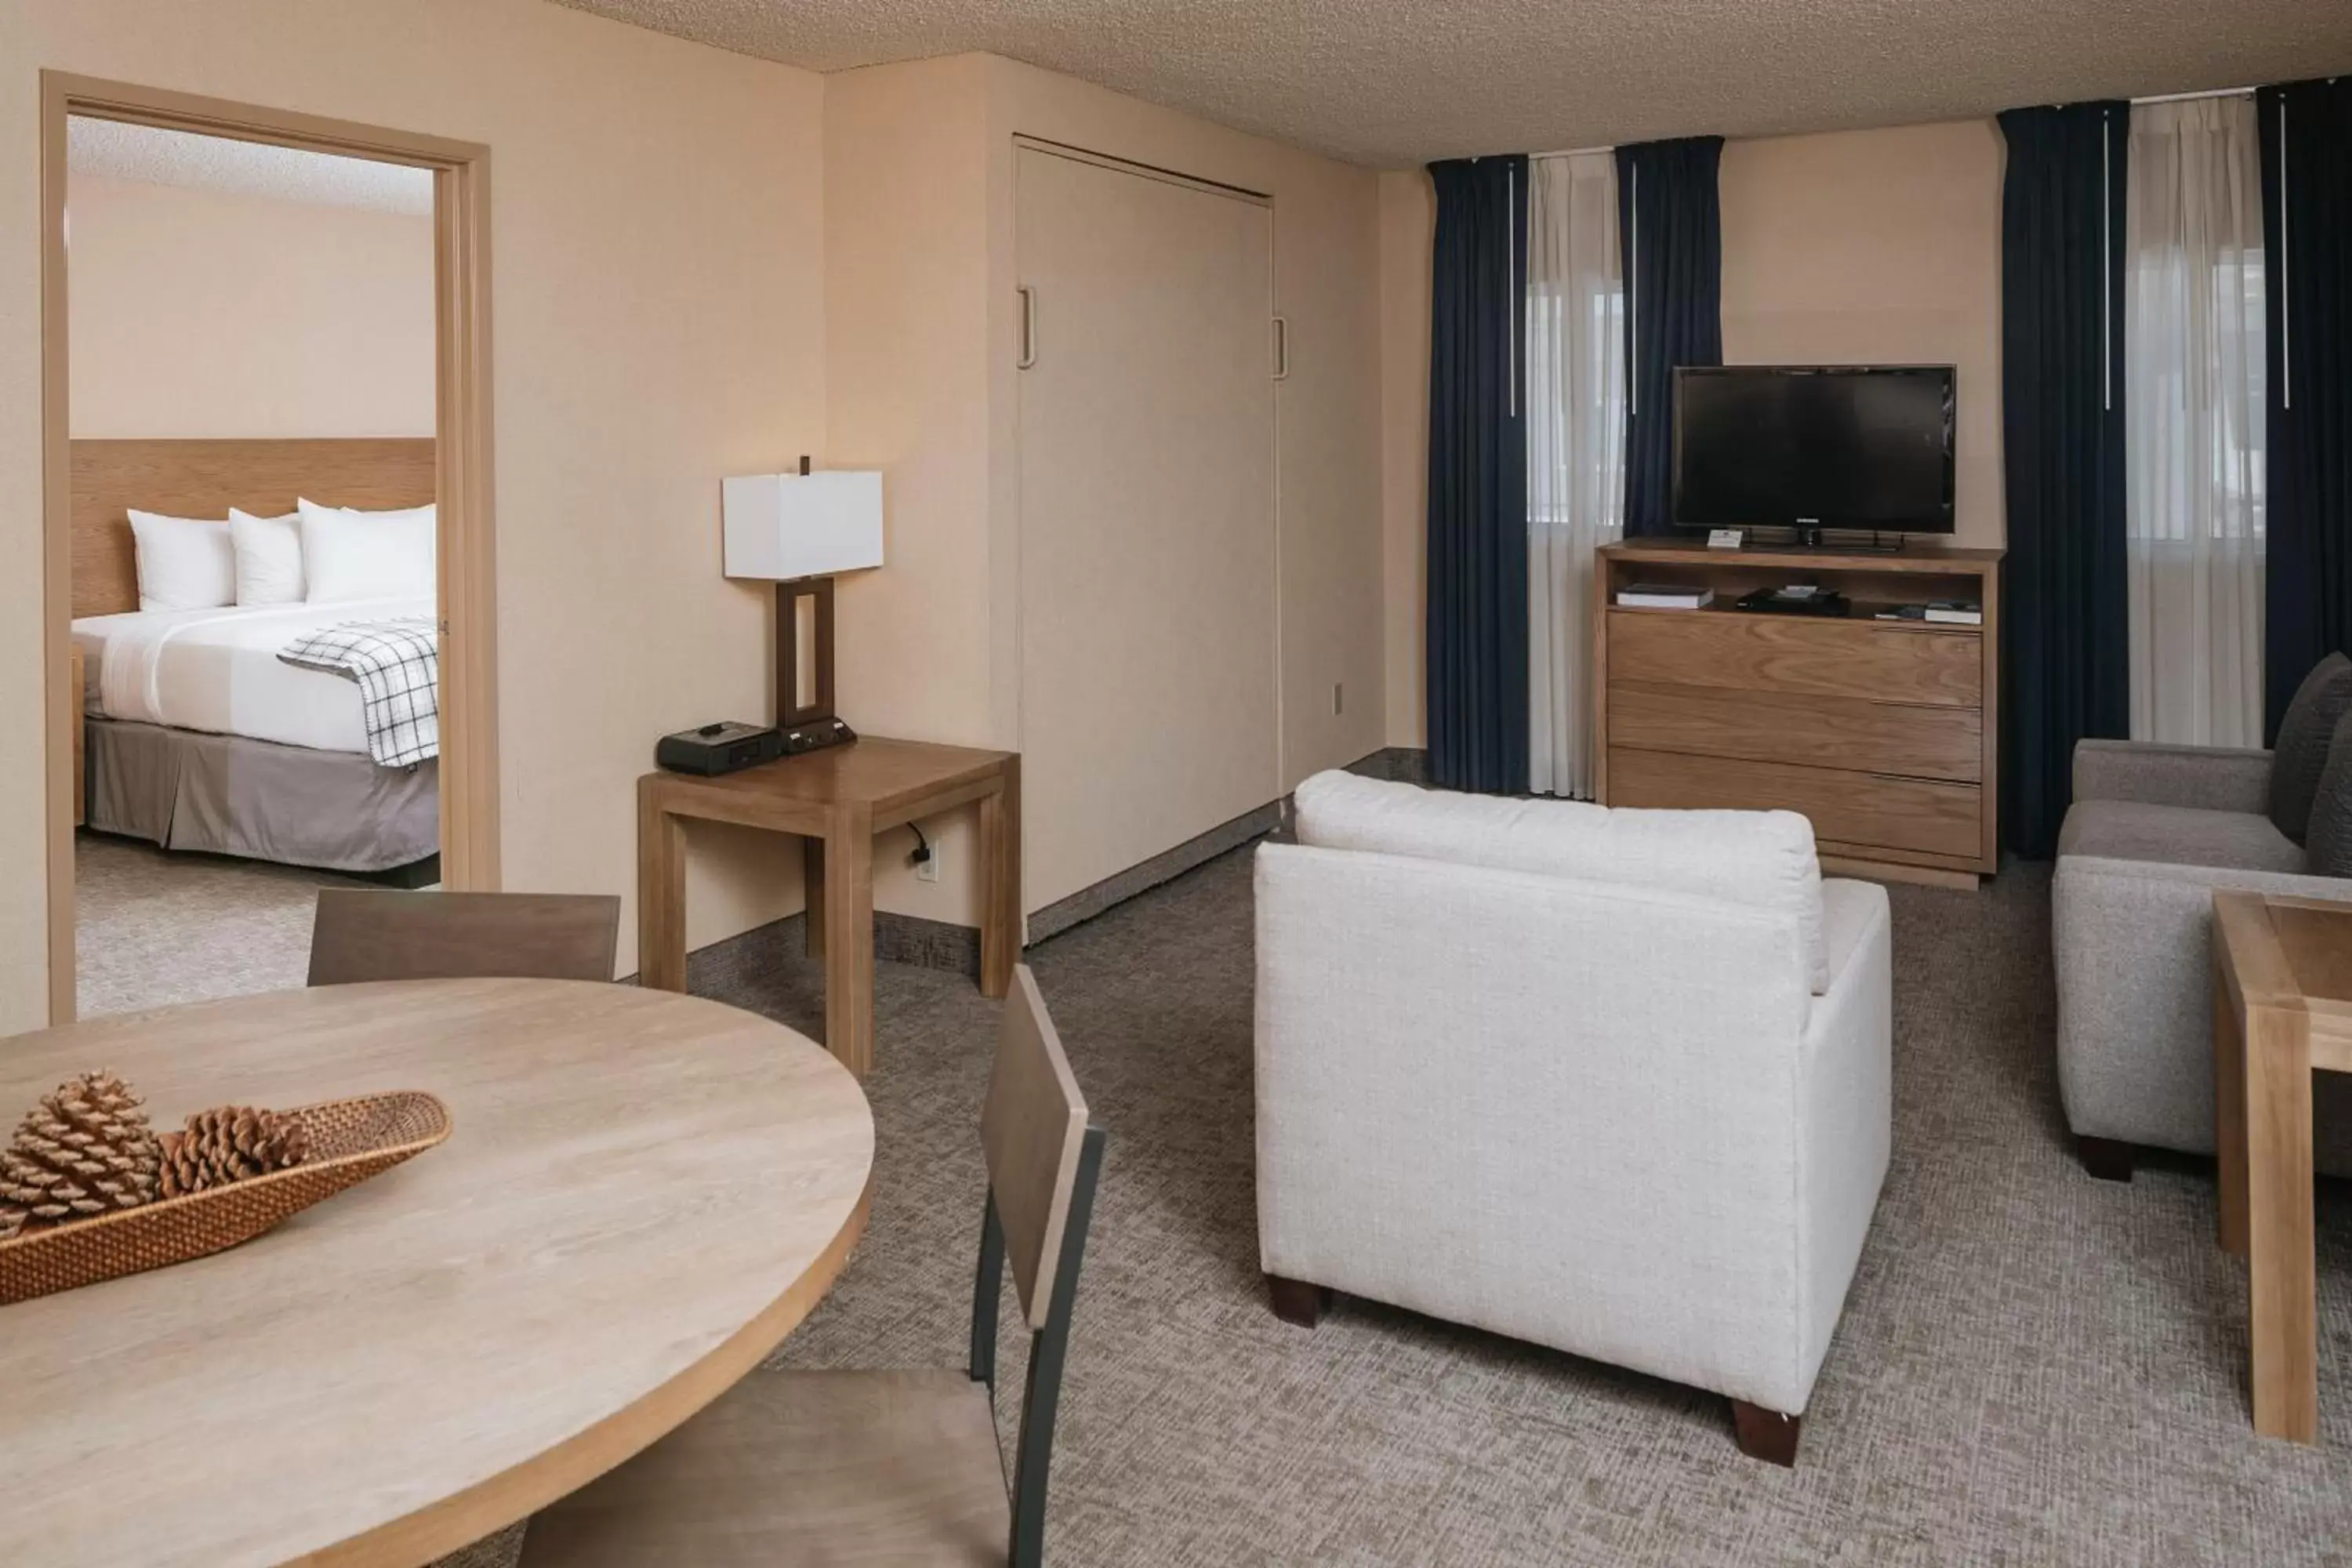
x,y
1846,1106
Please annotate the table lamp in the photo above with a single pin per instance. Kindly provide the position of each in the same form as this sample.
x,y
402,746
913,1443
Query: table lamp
x,y
796,530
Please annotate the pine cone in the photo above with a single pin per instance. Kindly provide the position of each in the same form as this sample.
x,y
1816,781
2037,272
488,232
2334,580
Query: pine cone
x,y
229,1144
84,1151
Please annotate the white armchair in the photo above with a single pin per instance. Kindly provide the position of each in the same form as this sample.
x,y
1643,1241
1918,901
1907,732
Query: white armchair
x,y
1616,1082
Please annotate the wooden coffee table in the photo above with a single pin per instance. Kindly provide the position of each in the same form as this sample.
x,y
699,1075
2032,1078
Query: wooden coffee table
x,y
2282,1009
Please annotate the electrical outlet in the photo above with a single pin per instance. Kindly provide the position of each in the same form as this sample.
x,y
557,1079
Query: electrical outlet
x,y
1338,698
927,869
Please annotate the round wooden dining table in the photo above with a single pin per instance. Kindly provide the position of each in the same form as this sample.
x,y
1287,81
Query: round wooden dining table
x,y
641,1195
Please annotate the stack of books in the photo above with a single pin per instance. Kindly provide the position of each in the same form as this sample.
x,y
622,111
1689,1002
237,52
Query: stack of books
x,y
1663,596
1938,612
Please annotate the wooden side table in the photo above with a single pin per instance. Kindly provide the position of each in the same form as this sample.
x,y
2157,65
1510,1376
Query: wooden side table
x,y
2281,1008
837,800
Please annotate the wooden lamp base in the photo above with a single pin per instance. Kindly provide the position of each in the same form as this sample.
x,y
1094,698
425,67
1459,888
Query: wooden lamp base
x,y
806,727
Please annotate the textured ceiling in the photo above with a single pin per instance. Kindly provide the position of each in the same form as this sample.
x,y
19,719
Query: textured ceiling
x,y
1395,82
248,168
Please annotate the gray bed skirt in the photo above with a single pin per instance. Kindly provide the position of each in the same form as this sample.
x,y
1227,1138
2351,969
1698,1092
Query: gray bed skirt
x,y
226,795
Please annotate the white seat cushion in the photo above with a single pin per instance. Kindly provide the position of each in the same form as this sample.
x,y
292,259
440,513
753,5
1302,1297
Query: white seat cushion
x,y
1763,859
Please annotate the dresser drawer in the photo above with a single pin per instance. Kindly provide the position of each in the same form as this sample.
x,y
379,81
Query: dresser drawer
x,y
1930,816
1777,727
1803,656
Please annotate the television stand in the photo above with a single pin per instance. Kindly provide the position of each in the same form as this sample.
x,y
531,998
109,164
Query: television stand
x,y
1882,734
1812,537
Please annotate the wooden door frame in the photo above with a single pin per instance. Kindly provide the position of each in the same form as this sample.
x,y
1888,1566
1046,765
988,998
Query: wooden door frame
x,y
461,223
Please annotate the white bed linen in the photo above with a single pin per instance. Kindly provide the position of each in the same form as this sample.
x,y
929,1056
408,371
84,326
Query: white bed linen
x,y
218,670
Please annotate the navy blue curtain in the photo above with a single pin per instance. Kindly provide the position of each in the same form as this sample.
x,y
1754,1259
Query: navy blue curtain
x,y
1670,232
1477,615
2065,637
2307,304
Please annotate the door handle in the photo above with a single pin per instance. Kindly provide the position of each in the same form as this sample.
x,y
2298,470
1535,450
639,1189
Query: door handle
x,y
1281,349
1028,328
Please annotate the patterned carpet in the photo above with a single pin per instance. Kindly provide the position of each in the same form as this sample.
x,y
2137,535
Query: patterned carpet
x,y
2034,1367
152,928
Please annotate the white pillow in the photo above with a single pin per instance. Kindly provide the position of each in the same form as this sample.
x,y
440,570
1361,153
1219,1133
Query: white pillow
x,y
350,555
268,557
184,563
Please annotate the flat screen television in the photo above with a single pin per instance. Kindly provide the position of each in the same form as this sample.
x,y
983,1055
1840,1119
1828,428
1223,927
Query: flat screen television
x,y
1814,448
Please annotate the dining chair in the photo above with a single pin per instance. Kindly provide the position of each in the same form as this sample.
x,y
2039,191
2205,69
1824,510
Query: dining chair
x,y
883,1466
359,933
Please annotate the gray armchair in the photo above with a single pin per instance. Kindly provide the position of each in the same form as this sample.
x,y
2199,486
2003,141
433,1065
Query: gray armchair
x,y
2154,829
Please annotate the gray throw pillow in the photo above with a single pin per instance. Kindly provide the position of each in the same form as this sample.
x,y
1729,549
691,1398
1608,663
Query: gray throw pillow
x,y
2304,735
2327,852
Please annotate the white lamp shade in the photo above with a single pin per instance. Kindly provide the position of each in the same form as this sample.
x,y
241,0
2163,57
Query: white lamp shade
x,y
781,527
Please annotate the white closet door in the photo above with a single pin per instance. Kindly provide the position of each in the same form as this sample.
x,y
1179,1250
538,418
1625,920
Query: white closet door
x,y
1147,594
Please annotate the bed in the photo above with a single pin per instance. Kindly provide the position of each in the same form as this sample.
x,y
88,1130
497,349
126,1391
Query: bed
x,y
197,734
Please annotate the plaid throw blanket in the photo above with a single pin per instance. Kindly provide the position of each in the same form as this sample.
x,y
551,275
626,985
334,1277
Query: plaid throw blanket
x,y
397,664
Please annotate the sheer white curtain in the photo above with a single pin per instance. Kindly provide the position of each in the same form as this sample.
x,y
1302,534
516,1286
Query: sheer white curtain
x,y
1576,449
2193,422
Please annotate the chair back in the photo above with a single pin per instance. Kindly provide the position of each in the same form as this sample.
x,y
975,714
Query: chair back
x,y
1042,1162
366,934
1030,1132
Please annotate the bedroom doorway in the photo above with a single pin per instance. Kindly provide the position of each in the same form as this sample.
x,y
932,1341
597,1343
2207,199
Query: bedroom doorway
x,y
267,566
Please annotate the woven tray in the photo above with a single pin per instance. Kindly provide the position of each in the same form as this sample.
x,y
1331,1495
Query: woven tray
x,y
350,1140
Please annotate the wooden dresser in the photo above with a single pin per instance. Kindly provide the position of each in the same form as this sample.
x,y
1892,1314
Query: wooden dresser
x,y
1884,733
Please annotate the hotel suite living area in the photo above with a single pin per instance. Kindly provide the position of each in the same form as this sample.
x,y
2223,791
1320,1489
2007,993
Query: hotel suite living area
x,y
1593,793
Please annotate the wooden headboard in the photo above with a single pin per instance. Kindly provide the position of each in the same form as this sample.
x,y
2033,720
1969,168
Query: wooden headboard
x,y
204,478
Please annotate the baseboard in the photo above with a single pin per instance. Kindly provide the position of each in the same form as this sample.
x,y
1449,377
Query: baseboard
x,y
941,944
1112,891
1896,871
1397,765
897,939
1404,765
930,945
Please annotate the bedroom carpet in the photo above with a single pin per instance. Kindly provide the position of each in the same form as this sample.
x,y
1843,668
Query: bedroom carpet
x,y
2034,1367
153,928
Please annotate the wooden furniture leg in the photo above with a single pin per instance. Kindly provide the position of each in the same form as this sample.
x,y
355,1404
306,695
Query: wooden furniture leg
x,y
661,894
1296,1301
2281,1283
849,937
2228,1111
2105,1159
813,895
1765,1435
1000,859
831,802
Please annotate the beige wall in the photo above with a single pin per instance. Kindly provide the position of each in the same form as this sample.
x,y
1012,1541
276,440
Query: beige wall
x,y
668,221
1408,219
922,334
657,287
1863,246
1876,247
907,333
207,314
